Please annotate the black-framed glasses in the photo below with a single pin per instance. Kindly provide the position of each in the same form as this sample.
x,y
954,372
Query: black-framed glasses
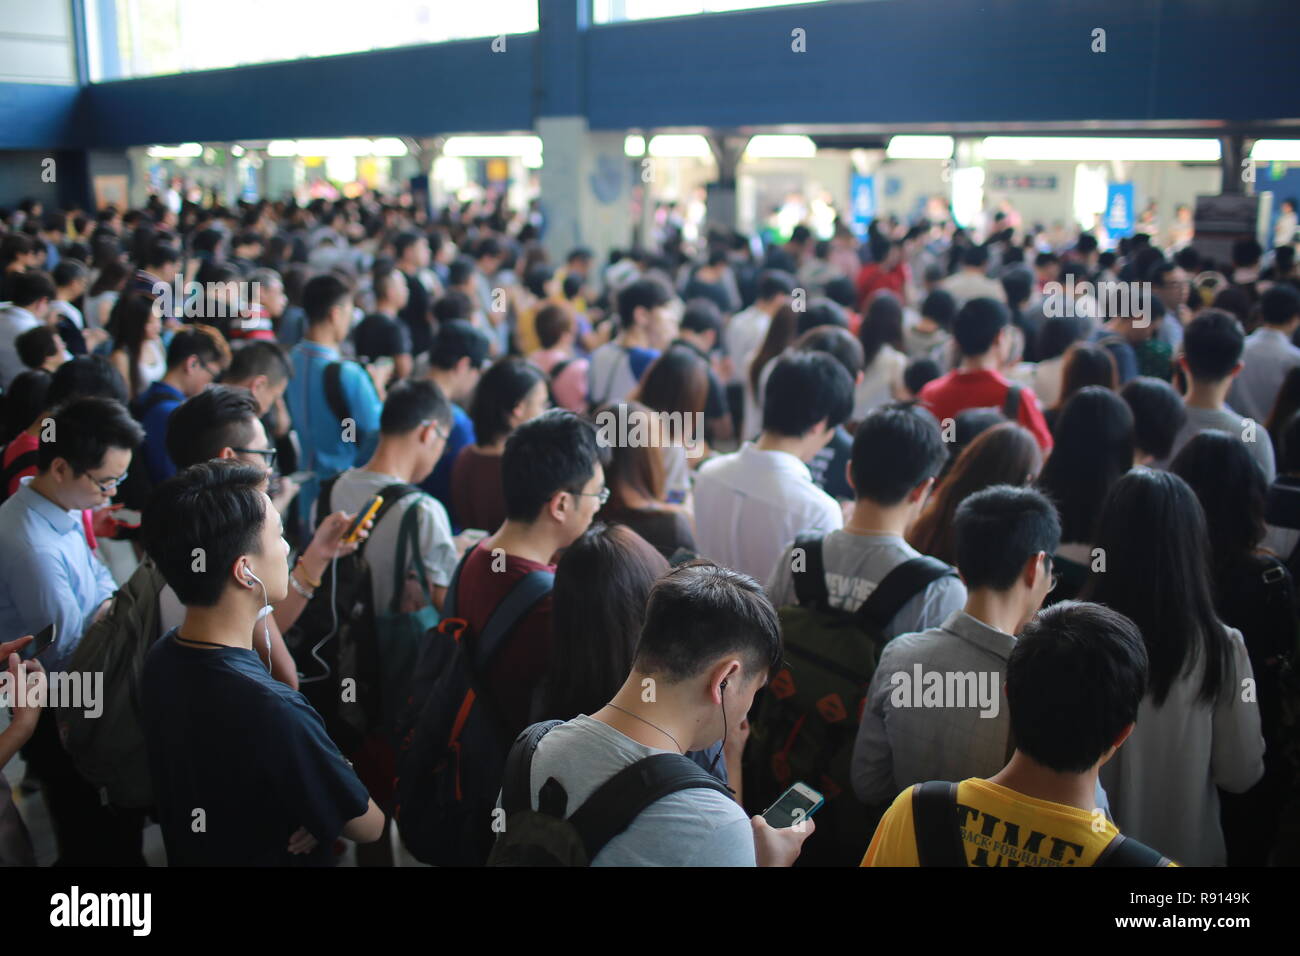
x,y
268,454
602,496
108,484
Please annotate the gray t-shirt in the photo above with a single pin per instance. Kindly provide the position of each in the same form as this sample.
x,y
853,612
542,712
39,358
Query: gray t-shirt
x,y
855,566
1255,437
688,828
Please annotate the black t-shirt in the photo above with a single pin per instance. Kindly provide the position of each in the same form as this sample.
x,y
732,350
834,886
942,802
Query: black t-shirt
x,y
227,739
829,467
381,336
417,315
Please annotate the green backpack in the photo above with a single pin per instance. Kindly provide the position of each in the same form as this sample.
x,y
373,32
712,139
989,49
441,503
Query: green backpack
x,y
804,723
547,837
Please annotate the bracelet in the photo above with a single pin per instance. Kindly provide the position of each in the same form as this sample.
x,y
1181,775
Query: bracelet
x,y
300,589
305,576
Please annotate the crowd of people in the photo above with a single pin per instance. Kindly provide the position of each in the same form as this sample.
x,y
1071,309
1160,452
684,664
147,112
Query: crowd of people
x,y
383,526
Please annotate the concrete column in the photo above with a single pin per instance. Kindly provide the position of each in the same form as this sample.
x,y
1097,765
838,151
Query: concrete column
x,y
585,187
722,208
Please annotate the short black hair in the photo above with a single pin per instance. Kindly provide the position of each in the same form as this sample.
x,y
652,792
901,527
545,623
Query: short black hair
x,y
837,342
223,416
895,448
404,240
1279,305
647,293
1000,528
975,256
977,325
213,508
28,288
1158,414
1074,681
698,613
85,428
161,254
36,345
87,375
460,270
452,305
259,358
557,451
804,389
702,316
457,339
411,404
552,323
920,372
69,271
774,282
1246,252
321,294
1212,345
940,307
201,340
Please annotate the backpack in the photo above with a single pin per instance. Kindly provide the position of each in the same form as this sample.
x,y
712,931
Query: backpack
x,y
335,639
937,823
334,394
1011,404
109,749
455,739
804,725
544,837
16,467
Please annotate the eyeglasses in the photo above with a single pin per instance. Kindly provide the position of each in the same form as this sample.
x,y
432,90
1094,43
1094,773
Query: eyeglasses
x,y
268,454
602,496
108,484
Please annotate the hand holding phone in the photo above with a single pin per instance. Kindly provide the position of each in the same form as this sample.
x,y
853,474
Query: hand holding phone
x,y
42,642
794,806
365,514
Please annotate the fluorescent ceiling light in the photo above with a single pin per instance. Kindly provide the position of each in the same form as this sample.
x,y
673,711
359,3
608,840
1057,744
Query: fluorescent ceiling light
x,y
634,146
780,147
1101,149
183,151
491,147
282,147
1276,151
680,146
388,146
919,147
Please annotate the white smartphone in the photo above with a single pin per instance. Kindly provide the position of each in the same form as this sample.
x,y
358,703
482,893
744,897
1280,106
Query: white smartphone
x,y
798,803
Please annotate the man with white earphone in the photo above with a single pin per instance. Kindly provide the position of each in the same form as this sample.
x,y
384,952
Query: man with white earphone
x,y
243,770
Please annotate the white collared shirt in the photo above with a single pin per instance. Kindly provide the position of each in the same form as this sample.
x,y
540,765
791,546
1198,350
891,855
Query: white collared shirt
x,y
750,505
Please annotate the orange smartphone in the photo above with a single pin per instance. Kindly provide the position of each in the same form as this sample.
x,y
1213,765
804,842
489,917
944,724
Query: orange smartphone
x,y
363,516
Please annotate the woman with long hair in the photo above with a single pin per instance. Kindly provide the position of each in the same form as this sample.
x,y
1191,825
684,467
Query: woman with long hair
x,y
884,359
781,333
510,393
677,384
1094,447
1194,731
1253,592
138,353
1085,364
637,483
1006,454
105,291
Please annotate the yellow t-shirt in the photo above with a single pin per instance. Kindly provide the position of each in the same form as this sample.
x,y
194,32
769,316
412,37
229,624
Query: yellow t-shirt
x,y
1000,827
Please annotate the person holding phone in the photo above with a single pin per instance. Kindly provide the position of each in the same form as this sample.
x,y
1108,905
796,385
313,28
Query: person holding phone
x,y
15,842
710,640
48,574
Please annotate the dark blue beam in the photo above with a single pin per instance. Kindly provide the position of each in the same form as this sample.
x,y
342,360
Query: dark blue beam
x,y
39,116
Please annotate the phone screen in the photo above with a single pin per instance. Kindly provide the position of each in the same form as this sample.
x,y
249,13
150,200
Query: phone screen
x,y
792,806
44,639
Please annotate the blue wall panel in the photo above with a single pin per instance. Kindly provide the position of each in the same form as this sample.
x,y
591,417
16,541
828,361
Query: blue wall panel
x,y
38,116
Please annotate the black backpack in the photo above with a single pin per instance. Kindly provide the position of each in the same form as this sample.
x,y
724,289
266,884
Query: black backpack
x,y
804,723
454,736
545,837
939,842
334,639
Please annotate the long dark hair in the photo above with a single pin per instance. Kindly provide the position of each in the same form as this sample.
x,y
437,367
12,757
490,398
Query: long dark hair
x,y
677,381
781,333
633,466
595,630
499,391
1086,363
1005,454
1232,492
128,323
882,325
1094,446
1152,535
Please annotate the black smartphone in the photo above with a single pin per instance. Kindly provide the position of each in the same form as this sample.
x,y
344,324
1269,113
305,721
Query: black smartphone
x,y
39,645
